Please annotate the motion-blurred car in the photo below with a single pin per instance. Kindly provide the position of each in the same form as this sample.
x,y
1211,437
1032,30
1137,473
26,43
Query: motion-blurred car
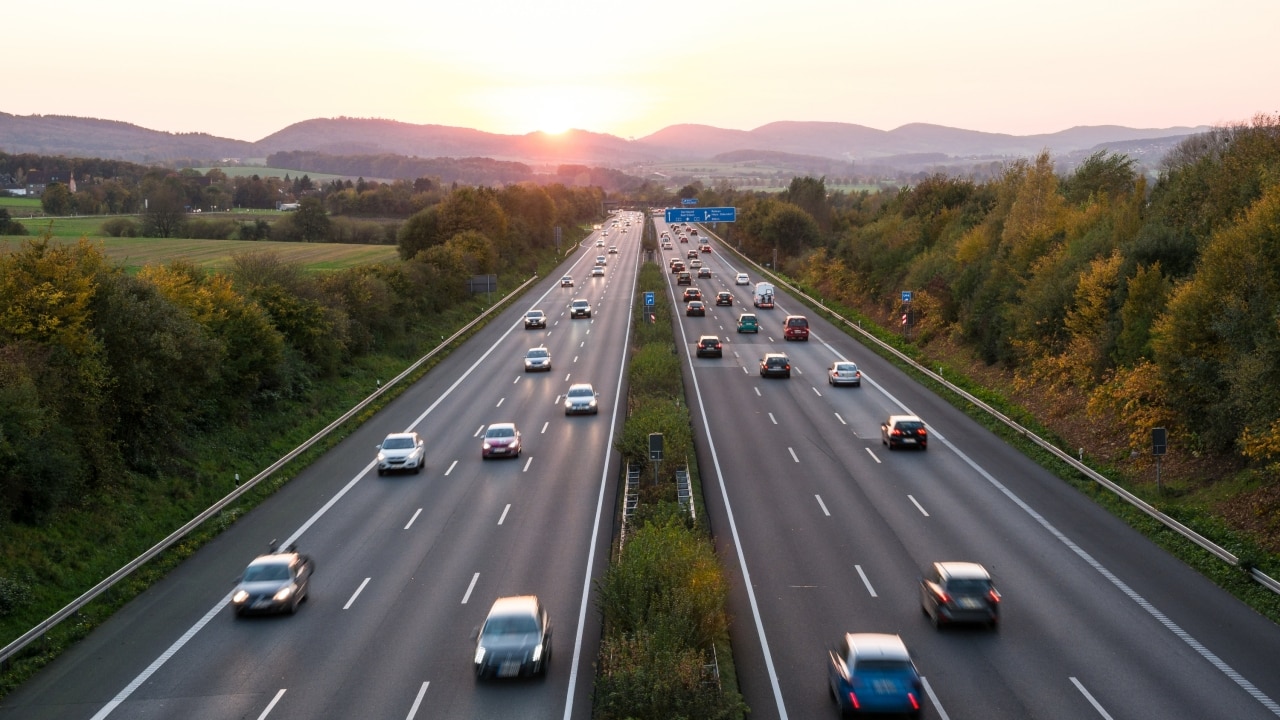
x,y
843,372
748,323
566,281
704,248
597,271
535,319
724,297
695,308
709,346
581,400
580,309
704,272
501,440
602,260
692,254
275,582
613,249
515,639
775,364
959,592
904,431
537,360
873,673
401,451
742,279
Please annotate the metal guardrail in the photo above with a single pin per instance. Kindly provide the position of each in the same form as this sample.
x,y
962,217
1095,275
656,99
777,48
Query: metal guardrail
x,y
14,647
1222,553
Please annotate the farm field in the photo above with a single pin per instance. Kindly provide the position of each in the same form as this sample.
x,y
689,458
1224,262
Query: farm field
x,y
134,253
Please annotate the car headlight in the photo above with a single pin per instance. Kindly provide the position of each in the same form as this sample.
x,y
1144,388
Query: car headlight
x,y
537,653
486,445
284,594
592,403
480,655
240,597
382,457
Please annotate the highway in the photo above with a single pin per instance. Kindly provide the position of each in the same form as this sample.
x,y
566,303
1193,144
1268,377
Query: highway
x,y
825,531
821,528
407,565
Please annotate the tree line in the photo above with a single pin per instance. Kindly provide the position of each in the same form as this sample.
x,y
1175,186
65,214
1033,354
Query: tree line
x,y
1153,303
103,372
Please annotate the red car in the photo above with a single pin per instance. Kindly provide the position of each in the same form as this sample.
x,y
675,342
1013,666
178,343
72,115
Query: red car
x,y
501,440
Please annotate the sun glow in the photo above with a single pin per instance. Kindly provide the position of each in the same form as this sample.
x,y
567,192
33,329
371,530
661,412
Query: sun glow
x,y
552,109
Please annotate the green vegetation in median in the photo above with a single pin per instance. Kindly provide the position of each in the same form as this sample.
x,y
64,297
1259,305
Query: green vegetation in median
x,y
665,652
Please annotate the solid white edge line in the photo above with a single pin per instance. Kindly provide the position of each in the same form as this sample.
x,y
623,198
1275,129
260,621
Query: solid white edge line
x,y
865,581
267,710
1089,697
417,701
934,698
595,530
416,513
505,510
823,505
467,595
356,594
737,540
1121,585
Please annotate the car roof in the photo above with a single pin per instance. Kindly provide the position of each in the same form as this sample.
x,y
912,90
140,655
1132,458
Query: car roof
x,y
904,418
515,605
540,348
581,386
534,312
954,570
278,558
774,355
876,646
500,426
401,435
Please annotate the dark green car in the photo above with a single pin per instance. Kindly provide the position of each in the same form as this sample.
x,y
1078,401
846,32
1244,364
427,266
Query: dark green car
x,y
747,323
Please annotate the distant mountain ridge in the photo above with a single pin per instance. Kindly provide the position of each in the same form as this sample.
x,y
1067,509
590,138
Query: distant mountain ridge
x,y
842,142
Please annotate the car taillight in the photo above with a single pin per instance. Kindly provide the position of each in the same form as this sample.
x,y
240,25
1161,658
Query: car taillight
x,y
993,596
942,596
915,704
896,431
717,346
787,366
857,373
921,431
853,700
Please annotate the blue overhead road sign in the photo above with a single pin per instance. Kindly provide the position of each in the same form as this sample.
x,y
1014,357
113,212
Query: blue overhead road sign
x,y
702,215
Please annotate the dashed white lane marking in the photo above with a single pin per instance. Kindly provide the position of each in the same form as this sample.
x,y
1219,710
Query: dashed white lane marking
x,y
417,702
822,505
356,594
416,513
918,506
267,710
865,581
1089,697
467,596
505,510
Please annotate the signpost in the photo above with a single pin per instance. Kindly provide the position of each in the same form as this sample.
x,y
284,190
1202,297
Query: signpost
x,y
702,215
655,453
689,201
648,306
1159,443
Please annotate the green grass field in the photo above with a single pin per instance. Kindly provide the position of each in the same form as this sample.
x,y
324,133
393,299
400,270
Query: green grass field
x,y
134,253
265,172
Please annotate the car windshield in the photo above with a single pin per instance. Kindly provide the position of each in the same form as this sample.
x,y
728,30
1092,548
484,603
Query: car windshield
x,y
500,432
535,314
846,367
510,625
910,425
581,392
537,353
399,443
265,573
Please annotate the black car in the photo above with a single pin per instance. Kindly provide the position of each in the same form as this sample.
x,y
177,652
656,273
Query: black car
x,y
724,297
709,346
775,364
695,308
273,583
904,431
515,639
958,592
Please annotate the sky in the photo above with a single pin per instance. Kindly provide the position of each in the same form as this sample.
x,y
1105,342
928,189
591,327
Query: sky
x,y
244,69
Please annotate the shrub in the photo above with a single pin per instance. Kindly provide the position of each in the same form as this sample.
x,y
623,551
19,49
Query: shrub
x,y
120,227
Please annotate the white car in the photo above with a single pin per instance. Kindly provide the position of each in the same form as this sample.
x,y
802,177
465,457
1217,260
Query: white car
x,y
613,249
602,260
742,279
401,451
597,271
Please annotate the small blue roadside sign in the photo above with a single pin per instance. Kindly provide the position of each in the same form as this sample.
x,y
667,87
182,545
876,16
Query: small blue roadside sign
x,y
689,201
702,215
906,296
648,298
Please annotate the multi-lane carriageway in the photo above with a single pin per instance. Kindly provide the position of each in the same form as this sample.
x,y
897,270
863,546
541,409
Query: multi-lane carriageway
x,y
822,531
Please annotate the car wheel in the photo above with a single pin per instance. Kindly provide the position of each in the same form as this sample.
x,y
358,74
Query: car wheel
x,y
788,373
418,469
381,471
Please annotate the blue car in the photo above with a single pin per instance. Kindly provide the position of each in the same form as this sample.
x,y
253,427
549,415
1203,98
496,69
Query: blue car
x,y
873,673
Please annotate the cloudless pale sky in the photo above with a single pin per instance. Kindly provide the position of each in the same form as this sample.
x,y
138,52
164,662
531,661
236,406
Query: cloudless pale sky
x,y
244,69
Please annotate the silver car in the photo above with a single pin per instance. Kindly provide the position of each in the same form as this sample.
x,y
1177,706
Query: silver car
x,y
843,372
401,451
581,399
537,359
275,582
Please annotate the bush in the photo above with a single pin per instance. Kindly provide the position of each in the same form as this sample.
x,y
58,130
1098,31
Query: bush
x,y
120,227
649,678
203,229
13,595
